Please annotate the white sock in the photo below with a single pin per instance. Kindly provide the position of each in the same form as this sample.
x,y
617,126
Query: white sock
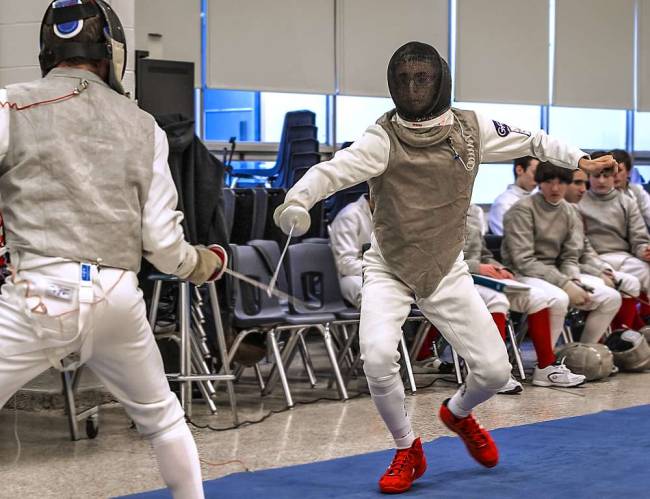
x,y
388,396
557,325
178,461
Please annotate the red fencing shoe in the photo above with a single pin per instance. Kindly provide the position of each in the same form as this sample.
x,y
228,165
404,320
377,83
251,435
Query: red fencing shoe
x,y
408,465
477,439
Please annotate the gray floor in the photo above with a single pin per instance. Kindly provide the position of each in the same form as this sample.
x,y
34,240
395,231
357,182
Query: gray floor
x,y
119,462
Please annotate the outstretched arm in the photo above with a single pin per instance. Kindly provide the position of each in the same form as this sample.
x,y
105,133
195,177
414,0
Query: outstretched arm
x,y
363,160
501,142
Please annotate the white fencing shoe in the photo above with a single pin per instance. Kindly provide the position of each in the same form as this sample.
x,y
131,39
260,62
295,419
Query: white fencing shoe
x,y
557,375
512,387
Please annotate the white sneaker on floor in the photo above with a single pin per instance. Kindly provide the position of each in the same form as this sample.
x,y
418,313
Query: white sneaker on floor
x,y
512,387
557,375
432,365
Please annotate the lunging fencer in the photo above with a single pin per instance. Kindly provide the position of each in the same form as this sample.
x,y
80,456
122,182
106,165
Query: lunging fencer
x,y
86,192
421,159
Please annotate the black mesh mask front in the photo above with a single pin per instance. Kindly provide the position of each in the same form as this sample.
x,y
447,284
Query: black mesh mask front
x,y
419,82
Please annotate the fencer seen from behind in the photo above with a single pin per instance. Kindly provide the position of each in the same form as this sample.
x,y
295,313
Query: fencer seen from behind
x,y
86,192
421,159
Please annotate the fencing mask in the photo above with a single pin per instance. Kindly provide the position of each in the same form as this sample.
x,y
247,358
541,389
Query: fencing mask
x,y
419,82
74,37
630,349
593,360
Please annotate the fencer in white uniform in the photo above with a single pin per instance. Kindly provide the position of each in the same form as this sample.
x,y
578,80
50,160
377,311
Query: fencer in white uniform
x,y
524,170
421,160
86,192
349,232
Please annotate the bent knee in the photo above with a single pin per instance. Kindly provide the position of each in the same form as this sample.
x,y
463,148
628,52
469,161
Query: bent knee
x,y
613,301
559,302
379,360
494,372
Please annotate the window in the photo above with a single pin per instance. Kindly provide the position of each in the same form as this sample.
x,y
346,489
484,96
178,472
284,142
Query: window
x,y
492,180
231,113
642,132
274,106
525,117
589,128
643,173
355,114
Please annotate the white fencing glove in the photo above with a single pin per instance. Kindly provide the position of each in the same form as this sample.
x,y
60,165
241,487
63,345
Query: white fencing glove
x,y
289,215
211,263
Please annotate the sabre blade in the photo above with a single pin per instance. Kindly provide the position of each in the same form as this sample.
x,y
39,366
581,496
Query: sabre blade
x,y
280,260
266,288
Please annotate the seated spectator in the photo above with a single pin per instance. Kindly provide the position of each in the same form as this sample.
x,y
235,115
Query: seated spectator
x,y
349,231
616,230
535,303
476,213
524,171
542,245
633,191
591,263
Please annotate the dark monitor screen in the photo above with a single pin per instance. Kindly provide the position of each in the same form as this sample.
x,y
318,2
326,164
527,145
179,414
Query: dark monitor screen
x,y
165,87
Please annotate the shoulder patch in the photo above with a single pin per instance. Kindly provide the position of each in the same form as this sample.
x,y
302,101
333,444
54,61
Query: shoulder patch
x,y
504,130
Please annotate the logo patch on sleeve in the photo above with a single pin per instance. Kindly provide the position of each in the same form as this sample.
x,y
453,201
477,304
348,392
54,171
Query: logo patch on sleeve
x,y
504,130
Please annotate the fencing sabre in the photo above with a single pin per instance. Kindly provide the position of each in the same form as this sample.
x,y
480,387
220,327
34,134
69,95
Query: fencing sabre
x,y
277,268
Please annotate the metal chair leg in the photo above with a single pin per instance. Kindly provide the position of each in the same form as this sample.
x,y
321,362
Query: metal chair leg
x,y
306,360
335,366
459,374
223,349
407,364
280,368
185,360
287,357
70,380
343,356
420,336
207,389
515,349
70,405
352,370
155,303
260,378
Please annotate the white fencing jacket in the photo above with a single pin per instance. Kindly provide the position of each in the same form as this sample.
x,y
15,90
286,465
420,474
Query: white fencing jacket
x,y
163,239
349,231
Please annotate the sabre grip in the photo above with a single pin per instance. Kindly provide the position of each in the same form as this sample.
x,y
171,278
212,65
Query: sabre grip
x,y
223,258
288,216
211,263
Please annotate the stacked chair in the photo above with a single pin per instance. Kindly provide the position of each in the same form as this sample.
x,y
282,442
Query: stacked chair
x,y
253,209
298,148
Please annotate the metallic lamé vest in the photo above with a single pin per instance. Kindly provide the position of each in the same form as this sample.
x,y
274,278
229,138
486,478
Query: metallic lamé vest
x,y
422,198
77,172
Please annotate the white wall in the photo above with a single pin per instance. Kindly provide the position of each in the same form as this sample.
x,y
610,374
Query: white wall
x,y
20,22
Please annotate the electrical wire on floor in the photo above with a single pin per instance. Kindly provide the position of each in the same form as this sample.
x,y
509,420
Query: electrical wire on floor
x,y
280,411
299,403
226,463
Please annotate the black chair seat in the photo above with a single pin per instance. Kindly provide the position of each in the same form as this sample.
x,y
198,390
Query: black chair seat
x,y
315,318
263,320
351,314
